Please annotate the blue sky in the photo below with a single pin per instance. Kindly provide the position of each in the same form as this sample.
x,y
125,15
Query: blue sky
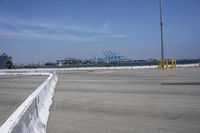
x,y
46,30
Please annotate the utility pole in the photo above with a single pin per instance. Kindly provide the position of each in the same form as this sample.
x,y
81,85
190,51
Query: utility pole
x,y
161,35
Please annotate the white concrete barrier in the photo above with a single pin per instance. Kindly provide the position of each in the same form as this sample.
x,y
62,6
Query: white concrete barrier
x,y
187,65
90,68
32,115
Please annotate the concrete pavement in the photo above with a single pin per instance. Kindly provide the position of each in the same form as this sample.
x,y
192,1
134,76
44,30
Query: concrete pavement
x,y
127,101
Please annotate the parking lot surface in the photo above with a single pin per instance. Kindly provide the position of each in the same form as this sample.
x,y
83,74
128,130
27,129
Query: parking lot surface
x,y
127,101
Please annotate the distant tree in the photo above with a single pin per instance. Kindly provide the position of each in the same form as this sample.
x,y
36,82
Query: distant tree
x,y
49,64
9,64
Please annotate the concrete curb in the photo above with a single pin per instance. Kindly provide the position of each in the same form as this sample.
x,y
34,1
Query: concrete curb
x,y
32,115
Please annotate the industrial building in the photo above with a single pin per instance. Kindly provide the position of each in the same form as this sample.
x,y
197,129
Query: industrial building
x,y
5,61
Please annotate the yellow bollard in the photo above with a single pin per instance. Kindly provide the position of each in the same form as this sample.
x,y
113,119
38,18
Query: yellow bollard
x,y
173,64
160,64
166,64
170,64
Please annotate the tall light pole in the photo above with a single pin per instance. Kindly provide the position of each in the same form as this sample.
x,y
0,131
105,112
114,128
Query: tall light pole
x,y
161,34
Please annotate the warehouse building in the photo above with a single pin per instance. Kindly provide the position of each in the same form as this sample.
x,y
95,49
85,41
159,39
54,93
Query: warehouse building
x,y
5,61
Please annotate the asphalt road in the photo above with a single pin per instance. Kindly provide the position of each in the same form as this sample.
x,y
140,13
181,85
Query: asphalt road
x,y
14,90
127,101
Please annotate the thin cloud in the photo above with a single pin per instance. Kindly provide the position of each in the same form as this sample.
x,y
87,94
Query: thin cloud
x,y
52,26
106,25
51,31
33,35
